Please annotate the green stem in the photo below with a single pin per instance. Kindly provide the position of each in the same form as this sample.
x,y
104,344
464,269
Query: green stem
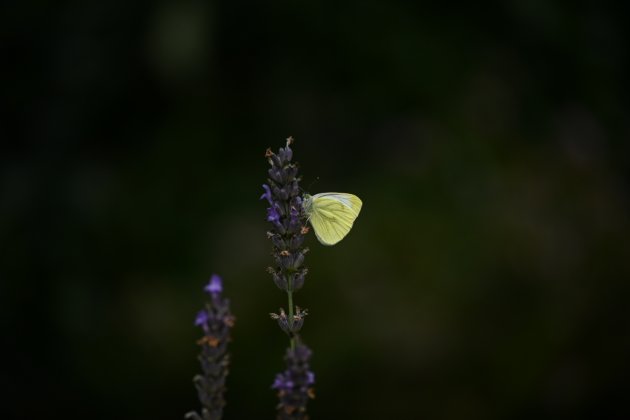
x,y
290,295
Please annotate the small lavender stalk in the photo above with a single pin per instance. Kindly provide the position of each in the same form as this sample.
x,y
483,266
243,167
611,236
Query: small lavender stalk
x,y
288,222
286,214
294,385
216,321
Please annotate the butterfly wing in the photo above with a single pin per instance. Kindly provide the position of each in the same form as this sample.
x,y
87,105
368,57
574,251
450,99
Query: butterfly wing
x,y
332,215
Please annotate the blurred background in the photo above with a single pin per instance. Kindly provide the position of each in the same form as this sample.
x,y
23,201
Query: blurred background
x,y
486,277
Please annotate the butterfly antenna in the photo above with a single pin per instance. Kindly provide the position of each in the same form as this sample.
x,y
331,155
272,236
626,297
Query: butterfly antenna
x,y
311,184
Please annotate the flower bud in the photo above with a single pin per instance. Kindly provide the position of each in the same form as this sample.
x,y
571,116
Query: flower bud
x,y
294,188
288,153
278,242
296,241
298,260
280,281
298,279
275,174
290,173
275,161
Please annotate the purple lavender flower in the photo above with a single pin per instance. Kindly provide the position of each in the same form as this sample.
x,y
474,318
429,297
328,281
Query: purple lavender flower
x,y
272,214
310,378
267,194
282,383
286,214
288,325
215,285
202,320
216,322
294,385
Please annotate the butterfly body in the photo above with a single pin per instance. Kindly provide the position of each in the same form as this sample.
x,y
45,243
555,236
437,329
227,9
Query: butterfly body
x,y
332,214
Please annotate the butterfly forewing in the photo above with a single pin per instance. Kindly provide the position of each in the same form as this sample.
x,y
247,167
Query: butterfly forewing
x,y
333,214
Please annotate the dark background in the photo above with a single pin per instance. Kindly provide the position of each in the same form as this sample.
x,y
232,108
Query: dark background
x,y
487,276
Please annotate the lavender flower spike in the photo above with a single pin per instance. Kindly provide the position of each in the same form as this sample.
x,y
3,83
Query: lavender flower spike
x,y
295,384
288,220
216,321
286,214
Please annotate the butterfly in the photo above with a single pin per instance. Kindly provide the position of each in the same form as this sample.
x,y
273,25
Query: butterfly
x,y
332,215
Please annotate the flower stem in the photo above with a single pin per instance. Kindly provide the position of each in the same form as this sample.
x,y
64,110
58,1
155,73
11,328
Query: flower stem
x,y
290,295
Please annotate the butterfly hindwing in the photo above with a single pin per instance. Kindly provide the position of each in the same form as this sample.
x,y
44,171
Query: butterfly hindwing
x,y
332,215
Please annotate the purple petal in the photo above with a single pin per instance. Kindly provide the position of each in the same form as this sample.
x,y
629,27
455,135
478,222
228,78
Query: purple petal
x,y
202,317
310,378
282,383
272,214
294,216
267,194
215,285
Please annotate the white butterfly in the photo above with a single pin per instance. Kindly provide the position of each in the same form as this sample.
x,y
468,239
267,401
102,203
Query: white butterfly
x,y
332,214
